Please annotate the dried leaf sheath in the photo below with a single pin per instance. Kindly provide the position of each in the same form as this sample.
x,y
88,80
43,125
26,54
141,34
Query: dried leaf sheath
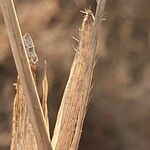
x,y
23,137
77,91
73,107
18,126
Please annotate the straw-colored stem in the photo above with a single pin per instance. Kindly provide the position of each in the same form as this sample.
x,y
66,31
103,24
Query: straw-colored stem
x,y
26,78
73,108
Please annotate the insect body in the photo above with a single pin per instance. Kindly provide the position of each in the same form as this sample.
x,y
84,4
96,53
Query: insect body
x,y
30,48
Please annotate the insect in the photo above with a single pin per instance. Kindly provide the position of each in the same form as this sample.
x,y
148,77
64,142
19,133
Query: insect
x,y
30,48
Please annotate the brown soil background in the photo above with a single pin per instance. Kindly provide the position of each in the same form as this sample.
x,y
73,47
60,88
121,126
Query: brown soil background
x,y
119,113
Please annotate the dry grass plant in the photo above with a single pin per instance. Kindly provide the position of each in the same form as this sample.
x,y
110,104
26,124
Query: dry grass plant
x,y
30,117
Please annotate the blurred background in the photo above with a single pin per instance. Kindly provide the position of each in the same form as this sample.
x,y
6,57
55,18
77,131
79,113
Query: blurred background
x,y
118,117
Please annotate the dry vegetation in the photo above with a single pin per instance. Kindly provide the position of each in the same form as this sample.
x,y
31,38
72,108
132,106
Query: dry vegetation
x,y
30,118
118,117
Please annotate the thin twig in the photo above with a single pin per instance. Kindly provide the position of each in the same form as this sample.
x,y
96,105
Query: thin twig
x,y
73,108
24,71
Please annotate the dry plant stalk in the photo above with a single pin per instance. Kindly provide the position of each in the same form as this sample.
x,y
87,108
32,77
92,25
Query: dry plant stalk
x,y
73,108
26,78
23,137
